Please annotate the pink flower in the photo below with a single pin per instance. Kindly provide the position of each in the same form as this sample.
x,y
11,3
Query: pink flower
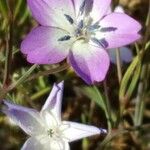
x,y
79,30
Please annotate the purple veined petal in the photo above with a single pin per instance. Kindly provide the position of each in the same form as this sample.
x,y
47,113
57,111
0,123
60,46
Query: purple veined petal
x,y
125,55
33,144
126,30
43,46
27,119
99,9
89,62
53,102
77,131
52,12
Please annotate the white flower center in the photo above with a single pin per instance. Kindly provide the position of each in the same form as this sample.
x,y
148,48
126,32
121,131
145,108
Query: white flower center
x,y
85,28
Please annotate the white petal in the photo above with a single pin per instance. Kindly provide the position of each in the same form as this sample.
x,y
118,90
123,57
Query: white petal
x,y
53,102
59,145
49,119
28,119
119,9
78,131
32,144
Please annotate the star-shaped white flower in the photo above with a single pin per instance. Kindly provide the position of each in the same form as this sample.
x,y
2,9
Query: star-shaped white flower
x,y
46,129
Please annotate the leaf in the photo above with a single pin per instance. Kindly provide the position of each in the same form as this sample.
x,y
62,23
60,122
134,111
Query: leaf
x,y
3,8
94,94
134,81
130,78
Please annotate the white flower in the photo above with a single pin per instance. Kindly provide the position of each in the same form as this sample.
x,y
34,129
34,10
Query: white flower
x,y
46,129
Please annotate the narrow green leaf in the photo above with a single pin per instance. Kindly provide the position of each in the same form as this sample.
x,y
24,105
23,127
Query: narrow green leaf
x,y
127,77
95,95
134,81
4,8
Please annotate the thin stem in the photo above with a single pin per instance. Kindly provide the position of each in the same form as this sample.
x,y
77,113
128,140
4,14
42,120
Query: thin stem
x,y
118,60
92,106
4,91
40,93
9,49
23,78
148,17
108,108
48,72
119,132
139,99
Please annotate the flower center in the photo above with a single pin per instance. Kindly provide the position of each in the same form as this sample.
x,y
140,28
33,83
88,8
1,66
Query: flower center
x,y
50,132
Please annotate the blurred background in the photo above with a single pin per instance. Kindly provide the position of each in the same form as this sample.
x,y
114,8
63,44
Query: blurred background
x,y
81,103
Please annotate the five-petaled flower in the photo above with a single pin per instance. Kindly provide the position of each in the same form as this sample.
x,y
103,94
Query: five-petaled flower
x,y
46,129
81,31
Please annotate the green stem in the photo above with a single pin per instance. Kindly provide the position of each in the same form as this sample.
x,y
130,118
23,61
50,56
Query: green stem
x,y
139,99
23,78
108,108
118,60
40,93
4,91
9,50
48,72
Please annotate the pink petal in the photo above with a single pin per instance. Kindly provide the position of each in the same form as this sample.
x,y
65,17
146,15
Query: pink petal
x,y
125,55
100,8
89,62
42,45
126,30
51,12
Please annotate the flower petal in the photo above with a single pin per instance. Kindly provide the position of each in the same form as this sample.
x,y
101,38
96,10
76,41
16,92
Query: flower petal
x,y
78,131
99,9
53,102
28,119
125,55
33,144
42,45
125,30
59,145
52,12
119,9
89,62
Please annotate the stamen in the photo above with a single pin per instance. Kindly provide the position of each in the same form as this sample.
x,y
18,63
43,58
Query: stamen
x,y
64,38
71,21
94,27
108,29
102,42
82,7
50,132
80,25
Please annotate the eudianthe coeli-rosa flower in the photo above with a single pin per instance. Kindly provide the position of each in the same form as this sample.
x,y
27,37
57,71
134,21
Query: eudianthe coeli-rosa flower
x,y
81,31
46,129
